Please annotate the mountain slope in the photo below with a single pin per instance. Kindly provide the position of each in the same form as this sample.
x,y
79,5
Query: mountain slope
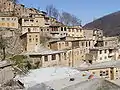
x,y
110,24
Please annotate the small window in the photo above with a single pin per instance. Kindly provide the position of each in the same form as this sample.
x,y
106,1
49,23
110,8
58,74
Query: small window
x,y
65,29
86,44
69,30
100,58
53,57
93,72
76,30
89,43
65,56
105,51
46,58
105,57
29,35
100,51
105,43
29,30
47,29
3,18
41,29
59,45
8,19
72,30
30,39
36,39
82,43
26,20
61,28
32,20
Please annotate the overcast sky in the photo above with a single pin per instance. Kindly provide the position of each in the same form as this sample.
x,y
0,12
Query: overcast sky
x,y
86,10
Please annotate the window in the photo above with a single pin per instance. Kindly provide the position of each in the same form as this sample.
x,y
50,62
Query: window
x,y
32,20
61,28
8,19
12,19
105,43
59,45
26,20
80,30
105,51
69,30
41,29
36,39
86,44
29,30
76,30
54,57
72,30
47,29
105,57
93,72
100,51
30,39
46,58
89,43
3,18
66,43
29,35
82,43
65,29
65,56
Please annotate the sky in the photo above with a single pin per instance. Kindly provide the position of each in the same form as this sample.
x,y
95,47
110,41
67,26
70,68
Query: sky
x,y
86,10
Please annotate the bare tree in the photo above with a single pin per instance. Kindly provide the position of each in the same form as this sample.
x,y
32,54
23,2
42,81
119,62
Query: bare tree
x,y
69,19
75,21
52,11
65,18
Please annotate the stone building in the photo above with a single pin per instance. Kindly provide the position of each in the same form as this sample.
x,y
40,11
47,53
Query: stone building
x,y
95,34
75,31
47,57
109,69
30,41
102,54
9,22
